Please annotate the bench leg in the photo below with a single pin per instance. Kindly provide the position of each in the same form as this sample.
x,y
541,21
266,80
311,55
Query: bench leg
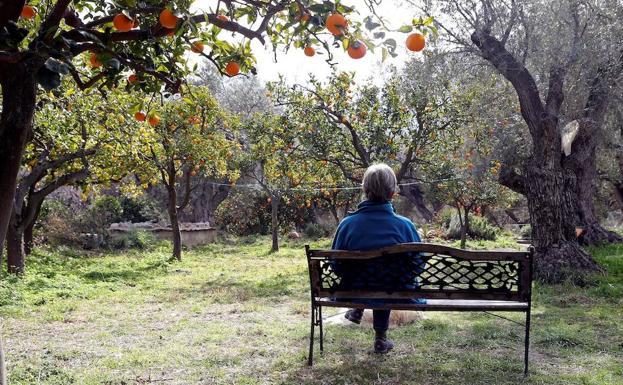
x,y
527,344
310,357
320,325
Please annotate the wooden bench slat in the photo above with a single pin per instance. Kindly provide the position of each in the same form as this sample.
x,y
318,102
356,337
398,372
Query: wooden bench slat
x,y
475,255
435,305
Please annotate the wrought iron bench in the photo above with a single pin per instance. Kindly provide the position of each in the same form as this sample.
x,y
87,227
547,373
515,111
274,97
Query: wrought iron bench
x,y
449,279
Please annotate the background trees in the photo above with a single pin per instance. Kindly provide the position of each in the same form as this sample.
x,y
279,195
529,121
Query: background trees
x,y
78,138
66,37
189,136
351,127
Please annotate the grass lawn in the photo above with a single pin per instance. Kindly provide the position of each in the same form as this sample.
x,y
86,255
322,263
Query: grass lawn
x,y
235,314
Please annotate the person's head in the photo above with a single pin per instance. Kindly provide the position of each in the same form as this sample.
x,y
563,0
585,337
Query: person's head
x,y
379,183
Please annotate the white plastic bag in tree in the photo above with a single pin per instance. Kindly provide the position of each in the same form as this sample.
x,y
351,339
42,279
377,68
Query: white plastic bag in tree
x,y
567,136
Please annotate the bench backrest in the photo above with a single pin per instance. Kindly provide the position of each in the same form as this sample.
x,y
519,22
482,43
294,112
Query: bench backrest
x,y
444,273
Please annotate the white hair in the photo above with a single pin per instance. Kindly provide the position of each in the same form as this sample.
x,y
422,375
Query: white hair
x,y
379,183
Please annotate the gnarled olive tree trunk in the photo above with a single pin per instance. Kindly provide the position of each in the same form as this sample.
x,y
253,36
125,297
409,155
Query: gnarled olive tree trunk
x,y
582,160
547,186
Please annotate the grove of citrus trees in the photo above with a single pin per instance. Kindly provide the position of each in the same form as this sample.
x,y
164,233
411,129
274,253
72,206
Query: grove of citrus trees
x,y
96,92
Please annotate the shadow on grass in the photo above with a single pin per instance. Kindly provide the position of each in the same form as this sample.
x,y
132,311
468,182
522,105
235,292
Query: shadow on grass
x,y
129,274
438,364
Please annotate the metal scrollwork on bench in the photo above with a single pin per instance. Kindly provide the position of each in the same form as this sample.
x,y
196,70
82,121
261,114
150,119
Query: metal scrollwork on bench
x,y
427,271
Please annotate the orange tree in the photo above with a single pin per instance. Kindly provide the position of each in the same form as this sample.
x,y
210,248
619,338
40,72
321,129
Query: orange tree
x,y
78,138
101,43
352,127
466,174
279,164
187,137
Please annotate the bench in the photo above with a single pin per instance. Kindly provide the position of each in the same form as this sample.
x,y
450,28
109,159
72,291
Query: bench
x,y
449,279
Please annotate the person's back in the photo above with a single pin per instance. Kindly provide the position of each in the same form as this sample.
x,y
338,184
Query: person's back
x,y
372,226
376,225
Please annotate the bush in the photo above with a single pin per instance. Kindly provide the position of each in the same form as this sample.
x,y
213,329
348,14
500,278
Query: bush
x,y
133,239
139,209
525,231
58,224
249,212
316,230
479,227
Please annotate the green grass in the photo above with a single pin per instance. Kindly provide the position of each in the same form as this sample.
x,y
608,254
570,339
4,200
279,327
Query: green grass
x,y
232,313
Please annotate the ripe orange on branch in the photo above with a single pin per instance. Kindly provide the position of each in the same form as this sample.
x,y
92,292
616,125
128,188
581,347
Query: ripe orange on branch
x,y
416,42
132,79
122,23
28,12
309,51
154,120
357,50
168,19
232,68
196,47
140,116
95,63
336,24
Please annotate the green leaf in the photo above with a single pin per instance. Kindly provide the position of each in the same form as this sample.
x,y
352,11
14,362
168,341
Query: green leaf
x,y
370,25
405,29
57,66
48,79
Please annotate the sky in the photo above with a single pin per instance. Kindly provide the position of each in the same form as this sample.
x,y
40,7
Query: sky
x,y
296,67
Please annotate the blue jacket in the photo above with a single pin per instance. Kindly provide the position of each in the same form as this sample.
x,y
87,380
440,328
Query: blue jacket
x,y
372,226
375,225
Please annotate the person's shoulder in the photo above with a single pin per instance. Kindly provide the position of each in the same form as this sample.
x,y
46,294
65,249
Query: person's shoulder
x,y
347,220
405,221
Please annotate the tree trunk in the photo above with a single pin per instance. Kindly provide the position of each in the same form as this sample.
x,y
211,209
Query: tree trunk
x,y
558,254
28,236
19,91
414,194
175,225
586,176
334,213
463,223
206,199
15,248
274,206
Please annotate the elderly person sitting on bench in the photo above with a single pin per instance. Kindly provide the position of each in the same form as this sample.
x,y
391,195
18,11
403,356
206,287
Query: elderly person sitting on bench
x,y
372,226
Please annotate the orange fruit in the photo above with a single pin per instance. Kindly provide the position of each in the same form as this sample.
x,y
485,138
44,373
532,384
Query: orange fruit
x,y
357,50
416,42
305,17
140,116
336,24
132,79
222,18
309,51
28,12
154,120
168,19
122,23
232,68
94,61
196,47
